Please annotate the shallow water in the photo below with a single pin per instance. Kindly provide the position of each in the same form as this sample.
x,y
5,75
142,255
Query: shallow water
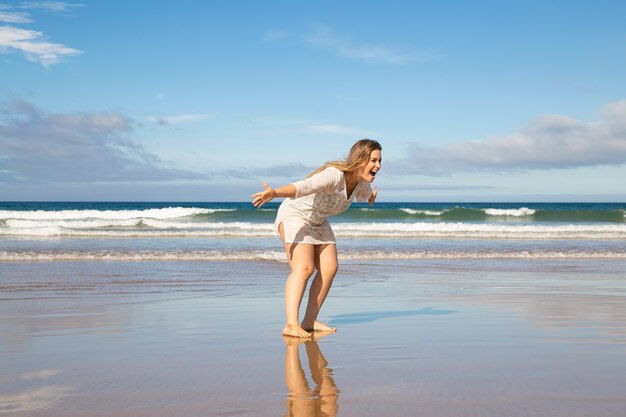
x,y
426,337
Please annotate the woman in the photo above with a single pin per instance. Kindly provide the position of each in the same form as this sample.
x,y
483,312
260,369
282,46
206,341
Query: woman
x,y
302,224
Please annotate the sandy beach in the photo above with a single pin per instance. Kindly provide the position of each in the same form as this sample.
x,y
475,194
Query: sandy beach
x,y
426,338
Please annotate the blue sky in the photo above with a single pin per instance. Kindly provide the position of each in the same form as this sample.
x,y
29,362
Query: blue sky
x,y
201,101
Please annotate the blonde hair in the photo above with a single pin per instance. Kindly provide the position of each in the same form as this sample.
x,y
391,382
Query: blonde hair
x,y
359,154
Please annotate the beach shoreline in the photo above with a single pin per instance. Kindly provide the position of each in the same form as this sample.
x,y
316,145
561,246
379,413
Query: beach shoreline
x,y
438,337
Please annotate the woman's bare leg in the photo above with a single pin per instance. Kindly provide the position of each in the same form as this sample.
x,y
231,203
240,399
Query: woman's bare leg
x,y
326,264
302,264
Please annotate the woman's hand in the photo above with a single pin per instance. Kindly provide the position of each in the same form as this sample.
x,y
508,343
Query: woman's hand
x,y
263,197
372,198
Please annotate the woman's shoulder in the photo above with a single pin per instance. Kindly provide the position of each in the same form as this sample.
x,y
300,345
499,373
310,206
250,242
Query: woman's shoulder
x,y
336,174
330,170
330,177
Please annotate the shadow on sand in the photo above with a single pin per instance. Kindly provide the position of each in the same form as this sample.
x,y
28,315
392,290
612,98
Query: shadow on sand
x,y
369,316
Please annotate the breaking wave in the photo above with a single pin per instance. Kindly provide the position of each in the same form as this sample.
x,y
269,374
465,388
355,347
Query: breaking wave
x,y
279,256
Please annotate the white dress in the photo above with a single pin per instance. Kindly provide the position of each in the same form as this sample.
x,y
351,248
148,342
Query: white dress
x,y
305,217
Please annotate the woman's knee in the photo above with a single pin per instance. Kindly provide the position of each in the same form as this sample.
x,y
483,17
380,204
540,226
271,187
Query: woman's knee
x,y
330,270
327,269
303,269
327,265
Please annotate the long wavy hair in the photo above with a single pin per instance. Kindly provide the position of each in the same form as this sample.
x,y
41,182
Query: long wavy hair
x,y
359,155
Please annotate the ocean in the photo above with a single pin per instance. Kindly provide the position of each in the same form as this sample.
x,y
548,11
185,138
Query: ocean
x,y
160,309
194,231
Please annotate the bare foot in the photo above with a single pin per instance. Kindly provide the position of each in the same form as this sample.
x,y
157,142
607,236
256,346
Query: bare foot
x,y
318,326
295,331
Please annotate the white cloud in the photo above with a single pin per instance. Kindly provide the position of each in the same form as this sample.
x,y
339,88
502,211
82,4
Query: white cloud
x,y
52,6
276,35
549,142
38,147
290,170
181,118
14,17
435,187
337,129
33,45
367,52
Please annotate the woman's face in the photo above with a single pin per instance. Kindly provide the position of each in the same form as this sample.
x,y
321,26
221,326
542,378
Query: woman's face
x,y
370,168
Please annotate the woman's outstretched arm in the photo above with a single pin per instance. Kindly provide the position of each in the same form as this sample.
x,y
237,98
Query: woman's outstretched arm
x,y
270,193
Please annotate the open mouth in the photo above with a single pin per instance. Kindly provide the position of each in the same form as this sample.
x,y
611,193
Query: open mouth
x,y
373,173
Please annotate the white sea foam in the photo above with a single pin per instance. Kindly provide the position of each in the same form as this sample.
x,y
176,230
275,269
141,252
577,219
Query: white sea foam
x,y
460,254
161,213
279,256
73,224
245,226
146,255
424,212
136,222
144,227
520,212
481,231
144,233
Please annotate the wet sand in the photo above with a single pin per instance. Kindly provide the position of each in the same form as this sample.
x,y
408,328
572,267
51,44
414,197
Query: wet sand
x,y
421,338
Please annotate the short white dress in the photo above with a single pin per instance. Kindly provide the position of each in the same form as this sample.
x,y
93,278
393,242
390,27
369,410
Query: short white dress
x,y
305,217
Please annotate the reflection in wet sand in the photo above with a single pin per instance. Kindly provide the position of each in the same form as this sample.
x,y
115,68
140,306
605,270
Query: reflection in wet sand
x,y
304,401
559,300
33,399
20,326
